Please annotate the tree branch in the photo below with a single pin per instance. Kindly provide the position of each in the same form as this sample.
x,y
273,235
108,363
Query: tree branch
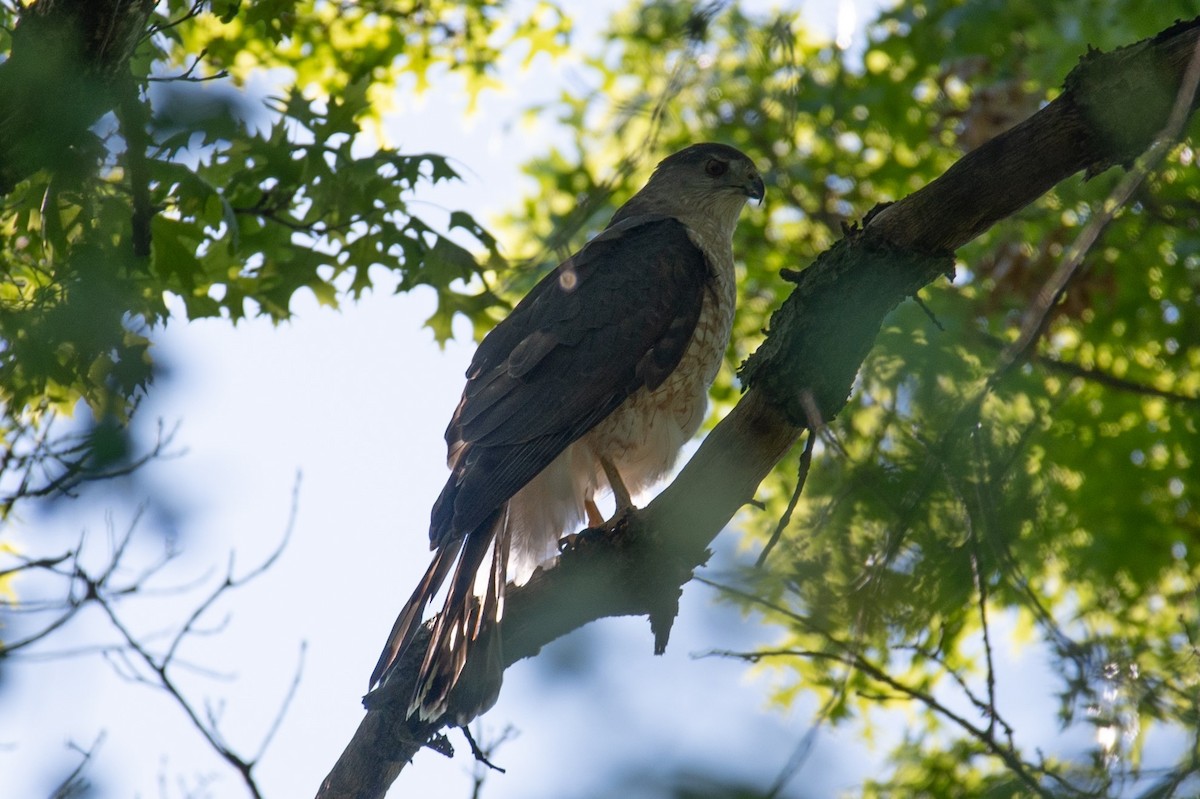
x,y
160,666
983,735
1095,375
1113,107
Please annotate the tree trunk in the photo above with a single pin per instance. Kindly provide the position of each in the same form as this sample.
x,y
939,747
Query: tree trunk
x,y
68,57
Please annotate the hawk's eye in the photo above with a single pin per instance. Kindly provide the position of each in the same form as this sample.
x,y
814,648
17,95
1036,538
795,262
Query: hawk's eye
x,y
716,168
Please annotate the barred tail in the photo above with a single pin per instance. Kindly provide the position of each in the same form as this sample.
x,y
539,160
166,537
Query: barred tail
x,y
466,620
410,617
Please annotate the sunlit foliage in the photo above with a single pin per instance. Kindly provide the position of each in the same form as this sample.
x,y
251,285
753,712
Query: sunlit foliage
x,y
243,165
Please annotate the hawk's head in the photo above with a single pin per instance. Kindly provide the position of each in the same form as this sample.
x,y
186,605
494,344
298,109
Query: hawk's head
x,y
704,186
711,168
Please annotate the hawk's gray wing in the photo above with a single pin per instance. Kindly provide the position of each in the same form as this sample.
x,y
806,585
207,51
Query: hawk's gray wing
x,y
616,316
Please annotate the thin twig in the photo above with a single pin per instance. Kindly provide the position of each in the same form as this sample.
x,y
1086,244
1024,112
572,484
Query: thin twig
x,y
73,786
164,681
849,657
483,754
1035,319
75,471
981,587
983,736
987,707
479,755
804,747
191,13
283,706
125,660
187,75
785,520
1096,375
38,563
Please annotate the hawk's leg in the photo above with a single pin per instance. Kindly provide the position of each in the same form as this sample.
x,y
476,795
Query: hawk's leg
x,y
594,517
620,492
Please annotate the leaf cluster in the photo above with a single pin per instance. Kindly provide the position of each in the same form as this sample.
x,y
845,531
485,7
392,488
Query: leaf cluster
x,y
191,186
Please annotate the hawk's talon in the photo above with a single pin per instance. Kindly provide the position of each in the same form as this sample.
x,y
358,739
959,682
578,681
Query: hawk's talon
x,y
573,541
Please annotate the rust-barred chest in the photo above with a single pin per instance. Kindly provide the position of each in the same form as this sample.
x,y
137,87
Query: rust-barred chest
x,y
646,432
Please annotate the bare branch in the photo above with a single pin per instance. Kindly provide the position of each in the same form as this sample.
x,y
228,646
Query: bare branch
x,y
71,464
208,725
75,576
188,74
38,563
193,12
984,736
284,706
845,652
1097,376
1033,323
134,659
74,785
801,476
804,748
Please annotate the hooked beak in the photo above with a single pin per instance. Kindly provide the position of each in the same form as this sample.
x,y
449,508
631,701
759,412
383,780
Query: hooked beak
x,y
754,187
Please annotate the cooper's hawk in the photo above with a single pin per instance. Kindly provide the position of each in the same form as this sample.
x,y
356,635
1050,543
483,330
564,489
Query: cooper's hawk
x,y
596,379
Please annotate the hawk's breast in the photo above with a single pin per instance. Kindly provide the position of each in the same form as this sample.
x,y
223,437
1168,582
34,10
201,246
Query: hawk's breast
x,y
644,435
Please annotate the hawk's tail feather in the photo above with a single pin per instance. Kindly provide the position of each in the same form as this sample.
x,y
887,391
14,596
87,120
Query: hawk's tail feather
x,y
464,622
409,619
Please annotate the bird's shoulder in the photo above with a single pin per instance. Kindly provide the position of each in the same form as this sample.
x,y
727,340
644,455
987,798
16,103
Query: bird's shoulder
x,y
641,260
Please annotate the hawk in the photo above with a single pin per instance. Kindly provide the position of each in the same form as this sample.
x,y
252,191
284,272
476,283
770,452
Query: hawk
x,y
594,381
